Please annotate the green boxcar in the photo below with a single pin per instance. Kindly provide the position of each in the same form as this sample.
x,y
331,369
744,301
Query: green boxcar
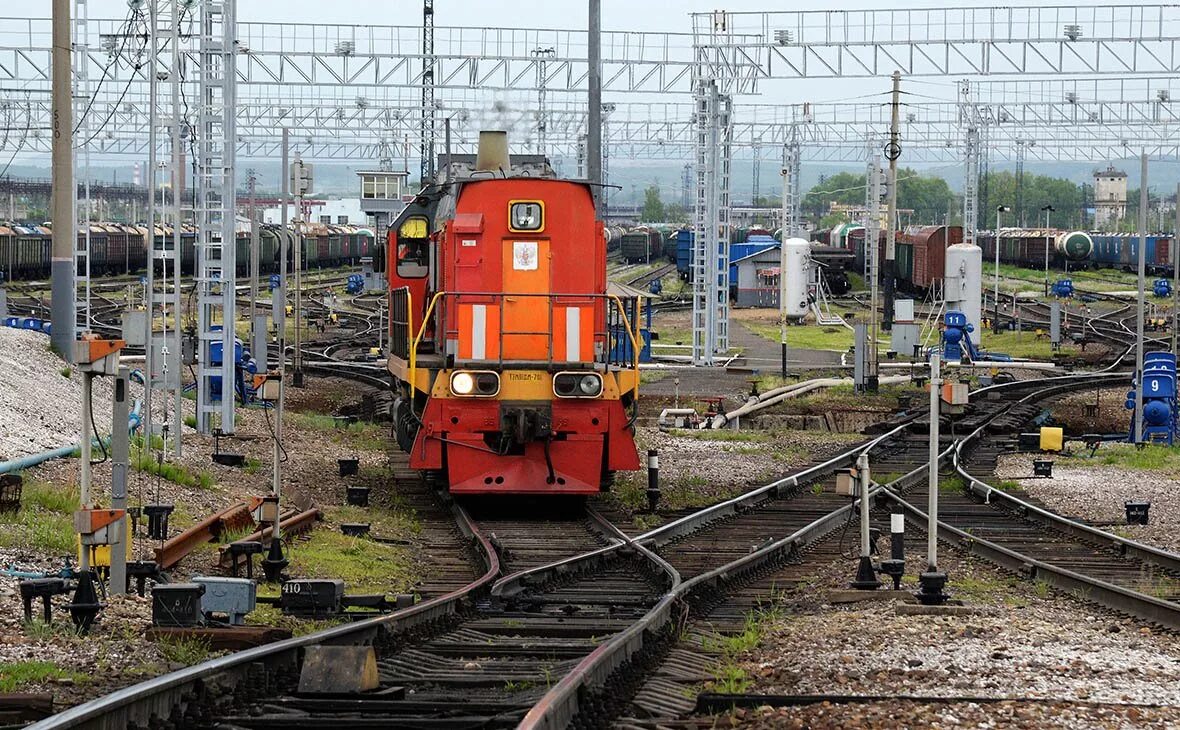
x,y
904,263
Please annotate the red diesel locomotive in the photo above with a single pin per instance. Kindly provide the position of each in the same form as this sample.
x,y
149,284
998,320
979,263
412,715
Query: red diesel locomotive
x,y
515,370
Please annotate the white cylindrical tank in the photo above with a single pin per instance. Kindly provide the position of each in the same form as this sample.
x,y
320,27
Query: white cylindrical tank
x,y
964,283
796,275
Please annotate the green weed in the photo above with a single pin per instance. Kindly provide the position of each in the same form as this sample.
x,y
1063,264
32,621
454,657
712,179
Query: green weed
x,y
45,519
359,435
66,372
521,686
363,564
186,651
730,679
15,675
174,473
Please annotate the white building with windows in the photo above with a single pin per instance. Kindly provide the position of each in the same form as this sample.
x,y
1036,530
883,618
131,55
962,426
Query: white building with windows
x,y
1110,197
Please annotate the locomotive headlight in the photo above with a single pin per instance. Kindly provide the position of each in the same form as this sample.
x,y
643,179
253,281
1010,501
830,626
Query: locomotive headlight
x,y
577,385
590,385
478,383
462,383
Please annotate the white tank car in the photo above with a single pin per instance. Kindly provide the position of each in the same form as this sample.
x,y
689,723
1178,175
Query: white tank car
x,y
797,276
964,283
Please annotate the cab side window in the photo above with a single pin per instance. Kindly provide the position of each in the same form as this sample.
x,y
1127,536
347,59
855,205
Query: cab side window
x,y
413,248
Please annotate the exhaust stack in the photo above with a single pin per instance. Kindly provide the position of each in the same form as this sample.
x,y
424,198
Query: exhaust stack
x,y
492,154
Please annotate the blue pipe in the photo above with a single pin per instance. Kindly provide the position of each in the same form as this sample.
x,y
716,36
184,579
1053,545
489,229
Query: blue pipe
x,y
25,462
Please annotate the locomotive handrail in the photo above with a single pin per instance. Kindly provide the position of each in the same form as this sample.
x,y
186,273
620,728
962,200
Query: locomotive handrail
x,y
632,331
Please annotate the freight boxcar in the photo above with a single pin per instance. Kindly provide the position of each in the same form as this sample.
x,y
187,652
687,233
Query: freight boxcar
x,y
921,255
642,245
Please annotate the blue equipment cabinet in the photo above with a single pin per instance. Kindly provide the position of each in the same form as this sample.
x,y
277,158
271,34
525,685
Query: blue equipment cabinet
x,y
1062,289
955,342
1157,399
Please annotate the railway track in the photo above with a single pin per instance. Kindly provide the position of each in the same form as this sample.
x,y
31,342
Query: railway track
x,y
565,606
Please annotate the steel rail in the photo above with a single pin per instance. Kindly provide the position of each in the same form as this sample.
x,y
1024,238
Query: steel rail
x,y
161,695
559,705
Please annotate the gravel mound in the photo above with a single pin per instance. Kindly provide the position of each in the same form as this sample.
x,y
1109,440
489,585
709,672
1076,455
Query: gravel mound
x,y
40,401
1096,493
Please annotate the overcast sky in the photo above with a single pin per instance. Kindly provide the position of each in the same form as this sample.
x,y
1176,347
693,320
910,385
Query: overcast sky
x,y
666,15
643,15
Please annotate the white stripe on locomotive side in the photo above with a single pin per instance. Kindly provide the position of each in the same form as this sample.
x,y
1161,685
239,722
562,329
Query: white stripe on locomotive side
x,y
479,331
573,334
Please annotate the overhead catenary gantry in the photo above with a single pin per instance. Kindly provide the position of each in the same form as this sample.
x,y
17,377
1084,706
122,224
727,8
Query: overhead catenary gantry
x,y
743,53
354,91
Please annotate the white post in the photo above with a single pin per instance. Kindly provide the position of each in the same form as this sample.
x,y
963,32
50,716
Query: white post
x,y
932,482
1174,256
996,293
1048,209
84,461
866,574
1137,437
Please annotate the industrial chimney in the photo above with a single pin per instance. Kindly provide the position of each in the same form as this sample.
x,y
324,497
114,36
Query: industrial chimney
x,y
492,154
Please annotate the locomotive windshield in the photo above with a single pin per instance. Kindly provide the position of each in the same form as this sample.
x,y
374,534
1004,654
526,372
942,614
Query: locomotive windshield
x,y
413,248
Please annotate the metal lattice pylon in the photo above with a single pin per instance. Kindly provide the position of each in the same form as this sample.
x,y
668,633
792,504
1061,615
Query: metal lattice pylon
x,y
971,119
793,195
216,265
710,303
426,147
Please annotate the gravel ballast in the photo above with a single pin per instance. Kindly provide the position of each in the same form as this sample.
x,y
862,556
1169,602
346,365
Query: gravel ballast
x,y
41,405
1100,672
1095,492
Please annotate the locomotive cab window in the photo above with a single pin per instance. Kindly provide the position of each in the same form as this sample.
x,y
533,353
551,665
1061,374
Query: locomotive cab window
x,y
413,248
526,216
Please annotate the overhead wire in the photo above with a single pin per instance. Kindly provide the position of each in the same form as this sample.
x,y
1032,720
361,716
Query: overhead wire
x,y
123,30
123,94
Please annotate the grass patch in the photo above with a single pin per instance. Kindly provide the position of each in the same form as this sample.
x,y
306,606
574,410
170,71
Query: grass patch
x,y
804,337
1151,457
951,484
66,372
653,376
360,435
252,465
182,650
364,565
982,588
190,421
1025,344
45,520
174,473
15,675
728,677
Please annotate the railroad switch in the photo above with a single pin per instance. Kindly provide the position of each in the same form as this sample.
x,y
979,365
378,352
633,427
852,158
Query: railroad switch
x,y
45,589
246,549
85,606
177,605
653,480
157,520
232,598
312,598
1136,512
140,571
930,588
358,496
894,567
225,458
